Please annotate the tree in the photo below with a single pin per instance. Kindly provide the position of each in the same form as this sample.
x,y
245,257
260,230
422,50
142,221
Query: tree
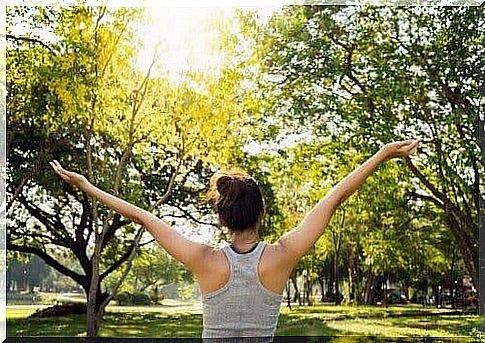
x,y
135,135
368,75
152,269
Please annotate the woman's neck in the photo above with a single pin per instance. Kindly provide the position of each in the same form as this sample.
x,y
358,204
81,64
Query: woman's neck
x,y
244,240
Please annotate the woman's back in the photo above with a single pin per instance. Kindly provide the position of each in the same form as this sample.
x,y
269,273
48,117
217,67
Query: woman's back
x,y
243,307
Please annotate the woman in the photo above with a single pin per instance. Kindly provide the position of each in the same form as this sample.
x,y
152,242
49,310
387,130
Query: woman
x,y
242,283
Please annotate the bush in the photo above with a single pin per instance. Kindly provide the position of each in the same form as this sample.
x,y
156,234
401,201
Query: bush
x,y
60,310
141,298
135,298
123,298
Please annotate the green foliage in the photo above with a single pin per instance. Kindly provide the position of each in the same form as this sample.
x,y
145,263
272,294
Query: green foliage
x,y
186,291
343,80
76,95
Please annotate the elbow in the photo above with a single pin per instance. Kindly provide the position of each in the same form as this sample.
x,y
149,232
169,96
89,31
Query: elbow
x,y
333,200
142,217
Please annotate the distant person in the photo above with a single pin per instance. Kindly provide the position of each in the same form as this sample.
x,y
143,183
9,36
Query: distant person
x,y
242,283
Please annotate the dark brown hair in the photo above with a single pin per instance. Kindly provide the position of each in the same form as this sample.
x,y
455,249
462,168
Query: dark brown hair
x,y
237,199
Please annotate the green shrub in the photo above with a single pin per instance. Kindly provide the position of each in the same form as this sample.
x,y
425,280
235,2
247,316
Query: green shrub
x,y
135,298
141,298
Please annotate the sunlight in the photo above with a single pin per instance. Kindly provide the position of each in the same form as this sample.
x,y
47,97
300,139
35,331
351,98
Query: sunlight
x,y
183,39
186,38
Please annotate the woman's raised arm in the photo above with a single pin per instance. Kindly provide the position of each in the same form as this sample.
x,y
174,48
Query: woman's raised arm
x,y
298,241
191,254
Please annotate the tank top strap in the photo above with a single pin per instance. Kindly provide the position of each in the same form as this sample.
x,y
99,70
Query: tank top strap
x,y
259,250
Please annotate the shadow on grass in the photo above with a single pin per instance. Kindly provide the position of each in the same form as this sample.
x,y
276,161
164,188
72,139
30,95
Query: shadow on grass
x,y
294,325
72,325
152,324
460,325
125,324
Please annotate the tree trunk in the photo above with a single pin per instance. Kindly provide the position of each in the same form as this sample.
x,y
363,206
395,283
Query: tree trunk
x,y
368,294
322,287
452,278
308,291
384,298
297,292
458,222
349,270
405,288
93,319
337,289
288,294
337,243
330,285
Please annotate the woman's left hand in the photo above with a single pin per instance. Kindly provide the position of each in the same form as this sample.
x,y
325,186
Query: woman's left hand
x,y
400,149
68,176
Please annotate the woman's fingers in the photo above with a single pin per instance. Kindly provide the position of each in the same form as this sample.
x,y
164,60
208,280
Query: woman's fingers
x,y
59,167
54,166
404,143
59,170
401,148
411,149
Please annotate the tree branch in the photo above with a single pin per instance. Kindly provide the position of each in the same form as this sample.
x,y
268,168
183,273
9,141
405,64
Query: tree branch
x,y
425,197
44,218
38,164
116,223
443,198
190,216
32,40
118,262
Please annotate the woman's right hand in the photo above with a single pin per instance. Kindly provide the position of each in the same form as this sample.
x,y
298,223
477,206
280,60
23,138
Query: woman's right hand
x,y
68,176
400,148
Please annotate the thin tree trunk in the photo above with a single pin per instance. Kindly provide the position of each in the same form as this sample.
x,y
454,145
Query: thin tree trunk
x,y
295,286
368,294
350,284
288,285
95,304
457,221
338,243
452,278
322,287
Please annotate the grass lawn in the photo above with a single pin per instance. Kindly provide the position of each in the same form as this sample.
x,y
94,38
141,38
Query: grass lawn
x,y
178,320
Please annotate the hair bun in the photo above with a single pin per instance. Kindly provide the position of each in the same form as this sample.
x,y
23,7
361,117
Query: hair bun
x,y
223,184
237,200
230,188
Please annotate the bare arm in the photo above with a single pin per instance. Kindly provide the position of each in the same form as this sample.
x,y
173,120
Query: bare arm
x,y
188,252
300,240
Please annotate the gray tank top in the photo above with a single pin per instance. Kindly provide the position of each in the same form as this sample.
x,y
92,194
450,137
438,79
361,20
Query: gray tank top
x,y
242,307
